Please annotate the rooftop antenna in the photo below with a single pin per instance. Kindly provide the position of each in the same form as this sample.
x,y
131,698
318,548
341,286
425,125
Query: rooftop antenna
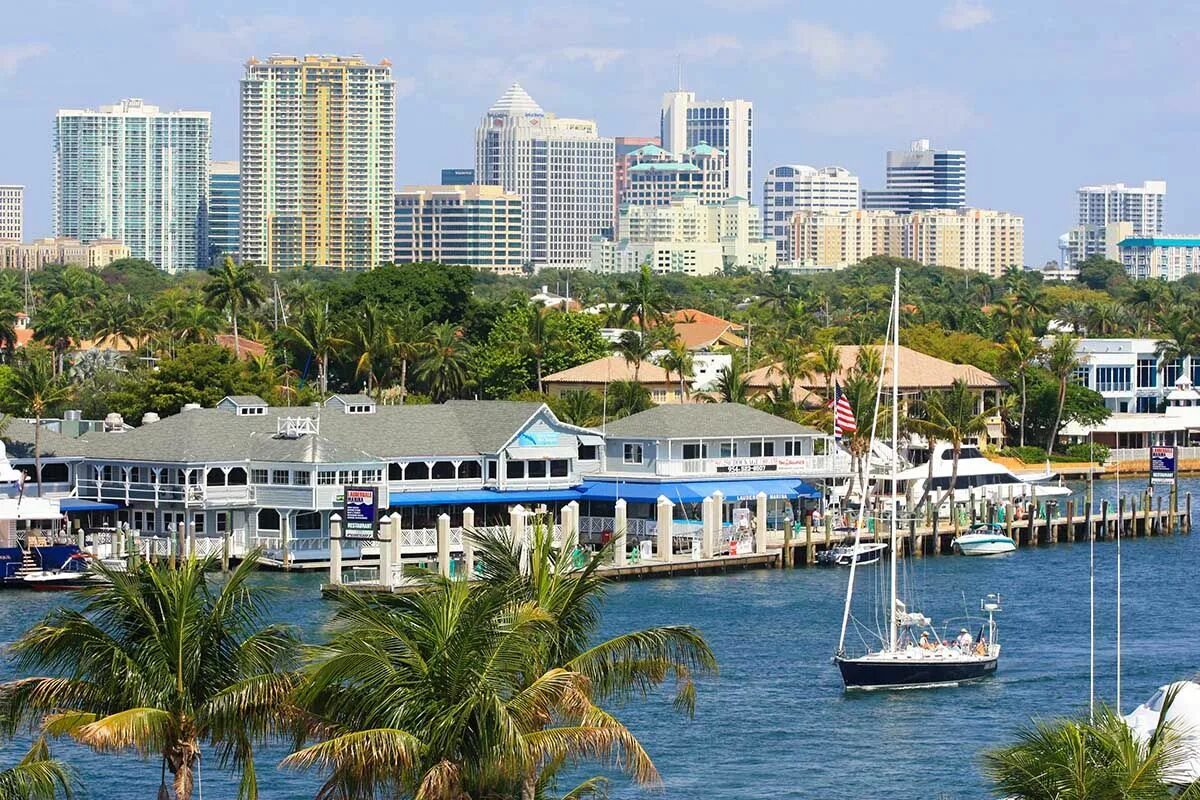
x,y
679,72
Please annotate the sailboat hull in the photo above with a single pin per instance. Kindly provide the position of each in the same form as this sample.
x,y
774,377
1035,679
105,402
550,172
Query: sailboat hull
x,y
874,673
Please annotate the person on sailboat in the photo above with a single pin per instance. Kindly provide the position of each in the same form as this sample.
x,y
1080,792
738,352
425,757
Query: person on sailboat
x,y
964,640
925,644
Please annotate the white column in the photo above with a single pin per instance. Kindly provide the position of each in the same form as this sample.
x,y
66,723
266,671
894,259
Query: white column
x,y
760,523
666,524
573,533
385,552
468,522
335,549
564,523
443,545
620,524
718,529
707,522
284,537
516,530
397,556
180,543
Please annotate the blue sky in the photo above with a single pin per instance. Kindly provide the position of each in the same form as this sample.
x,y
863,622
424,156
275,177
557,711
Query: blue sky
x,y
1043,96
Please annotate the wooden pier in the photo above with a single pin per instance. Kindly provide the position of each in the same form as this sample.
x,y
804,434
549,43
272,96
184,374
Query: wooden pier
x,y
1132,516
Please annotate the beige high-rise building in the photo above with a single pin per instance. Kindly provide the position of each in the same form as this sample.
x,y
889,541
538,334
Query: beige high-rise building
x,y
472,225
318,156
44,252
12,213
972,239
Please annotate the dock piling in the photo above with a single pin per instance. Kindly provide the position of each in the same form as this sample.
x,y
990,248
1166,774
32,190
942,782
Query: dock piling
x,y
335,549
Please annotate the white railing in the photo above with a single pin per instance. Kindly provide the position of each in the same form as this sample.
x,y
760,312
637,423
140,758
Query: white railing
x,y
787,465
591,527
1142,454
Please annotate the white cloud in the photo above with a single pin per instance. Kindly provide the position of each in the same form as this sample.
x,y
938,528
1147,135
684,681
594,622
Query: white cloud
x,y
962,15
832,54
598,57
13,55
903,113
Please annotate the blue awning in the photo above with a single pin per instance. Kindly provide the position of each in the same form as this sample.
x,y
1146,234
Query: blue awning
x,y
476,497
76,504
695,491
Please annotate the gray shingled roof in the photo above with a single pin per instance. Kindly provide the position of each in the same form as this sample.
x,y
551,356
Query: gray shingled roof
x,y
351,399
245,400
18,441
460,428
695,420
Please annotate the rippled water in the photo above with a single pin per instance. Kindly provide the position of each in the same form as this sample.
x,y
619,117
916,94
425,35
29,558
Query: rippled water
x,y
776,723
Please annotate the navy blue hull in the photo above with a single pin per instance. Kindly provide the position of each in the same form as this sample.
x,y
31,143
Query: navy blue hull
x,y
871,674
52,557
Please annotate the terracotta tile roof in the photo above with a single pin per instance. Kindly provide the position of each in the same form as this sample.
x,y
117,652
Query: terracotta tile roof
x,y
917,371
248,347
699,330
611,368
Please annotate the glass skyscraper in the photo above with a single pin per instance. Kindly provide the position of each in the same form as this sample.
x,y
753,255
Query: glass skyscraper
x,y
136,174
921,179
224,211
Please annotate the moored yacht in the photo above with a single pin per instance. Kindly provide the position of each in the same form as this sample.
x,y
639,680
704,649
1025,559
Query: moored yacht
x,y
978,478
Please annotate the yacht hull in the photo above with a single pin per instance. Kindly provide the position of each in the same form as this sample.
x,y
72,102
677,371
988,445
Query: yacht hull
x,y
984,545
871,673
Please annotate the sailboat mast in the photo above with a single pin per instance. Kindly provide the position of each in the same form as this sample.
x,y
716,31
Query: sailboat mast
x,y
892,632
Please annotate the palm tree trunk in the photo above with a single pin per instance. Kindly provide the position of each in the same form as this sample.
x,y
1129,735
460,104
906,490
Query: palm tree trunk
x,y
954,483
1062,398
184,777
37,451
403,379
325,373
539,375
1022,408
928,480
237,341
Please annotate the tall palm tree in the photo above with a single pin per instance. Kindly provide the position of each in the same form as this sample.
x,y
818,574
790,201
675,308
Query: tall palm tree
x,y
539,336
1061,360
624,398
37,776
163,662
678,360
234,288
444,368
58,325
1032,303
410,340
112,322
731,385
827,362
581,407
481,692
643,299
316,333
925,420
1097,759
372,339
1019,353
635,347
38,388
957,415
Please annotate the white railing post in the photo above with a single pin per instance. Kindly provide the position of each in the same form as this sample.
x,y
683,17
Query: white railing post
x,y
395,532
335,549
666,517
468,545
386,579
760,523
572,533
707,537
443,545
718,520
620,524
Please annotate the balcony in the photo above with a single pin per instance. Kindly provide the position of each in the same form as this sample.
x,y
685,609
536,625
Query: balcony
x,y
823,464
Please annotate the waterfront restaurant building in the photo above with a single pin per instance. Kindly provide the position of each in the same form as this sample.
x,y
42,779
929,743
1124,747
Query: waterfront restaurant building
x,y
271,477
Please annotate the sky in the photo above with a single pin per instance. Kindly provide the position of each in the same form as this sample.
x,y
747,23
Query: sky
x,y
1044,96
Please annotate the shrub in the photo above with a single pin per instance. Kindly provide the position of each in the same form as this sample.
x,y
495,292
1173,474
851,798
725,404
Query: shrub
x,y
1029,454
1089,452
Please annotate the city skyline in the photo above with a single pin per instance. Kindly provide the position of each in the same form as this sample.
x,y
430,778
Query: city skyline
x,y
830,86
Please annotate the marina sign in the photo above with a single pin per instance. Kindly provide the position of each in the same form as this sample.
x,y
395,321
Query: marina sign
x,y
758,464
1162,464
360,512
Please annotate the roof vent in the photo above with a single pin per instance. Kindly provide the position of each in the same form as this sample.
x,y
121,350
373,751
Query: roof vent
x,y
113,423
73,415
190,407
149,418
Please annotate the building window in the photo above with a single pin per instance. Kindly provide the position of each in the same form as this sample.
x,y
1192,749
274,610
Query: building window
x,y
279,477
514,469
760,449
560,468
1113,379
537,469
694,451
491,468
1147,372
326,478
728,450
587,452
302,478
633,453
258,476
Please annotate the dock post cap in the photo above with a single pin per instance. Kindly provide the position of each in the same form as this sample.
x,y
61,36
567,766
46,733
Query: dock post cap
x,y
335,517
444,516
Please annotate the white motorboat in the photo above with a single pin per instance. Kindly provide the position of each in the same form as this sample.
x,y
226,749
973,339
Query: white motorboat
x,y
985,540
843,555
1183,715
979,478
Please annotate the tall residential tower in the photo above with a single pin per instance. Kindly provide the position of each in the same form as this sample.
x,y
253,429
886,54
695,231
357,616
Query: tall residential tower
x,y
12,213
224,211
318,156
561,168
797,187
136,174
725,124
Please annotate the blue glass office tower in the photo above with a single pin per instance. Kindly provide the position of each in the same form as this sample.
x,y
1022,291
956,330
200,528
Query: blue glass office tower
x,y
224,211
921,179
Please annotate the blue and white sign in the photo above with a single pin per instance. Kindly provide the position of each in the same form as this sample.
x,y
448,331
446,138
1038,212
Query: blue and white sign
x,y
360,517
1162,464
538,439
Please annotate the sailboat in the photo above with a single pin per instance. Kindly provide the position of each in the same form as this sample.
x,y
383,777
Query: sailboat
x,y
913,655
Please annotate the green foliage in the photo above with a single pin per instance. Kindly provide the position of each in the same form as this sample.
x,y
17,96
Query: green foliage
x,y
1089,452
1081,405
1098,272
441,291
505,366
1029,454
135,276
200,373
957,347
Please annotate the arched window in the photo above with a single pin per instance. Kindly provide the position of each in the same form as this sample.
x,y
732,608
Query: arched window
x,y
237,477
416,471
268,519
214,477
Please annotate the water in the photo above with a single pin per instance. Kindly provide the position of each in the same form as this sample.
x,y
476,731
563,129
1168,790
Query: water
x,y
776,723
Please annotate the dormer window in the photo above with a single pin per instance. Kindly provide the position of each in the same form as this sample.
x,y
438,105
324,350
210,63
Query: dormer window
x,y
247,405
352,403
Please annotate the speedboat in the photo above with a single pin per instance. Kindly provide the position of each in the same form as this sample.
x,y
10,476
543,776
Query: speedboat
x,y
73,573
985,539
843,555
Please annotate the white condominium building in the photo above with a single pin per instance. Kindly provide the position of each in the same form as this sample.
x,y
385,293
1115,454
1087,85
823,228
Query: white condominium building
x,y
727,125
12,213
561,168
318,154
472,225
137,174
687,237
1164,257
654,176
970,239
1115,202
797,187
1084,241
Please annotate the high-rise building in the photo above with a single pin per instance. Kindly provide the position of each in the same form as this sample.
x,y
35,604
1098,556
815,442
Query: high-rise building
x,y
725,124
969,239
688,237
318,154
1084,241
921,178
137,174
97,254
12,213
224,211
1163,257
464,176
561,168
623,147
797,187
654,176
476,226
1115,202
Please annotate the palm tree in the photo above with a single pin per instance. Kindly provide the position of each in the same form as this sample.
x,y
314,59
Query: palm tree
x,y
410,340
196,323
1097,759
160,661
643,299
39,388
373,341
1061,360
955,413
924,420
624,398
1076,314
678,359
234,288
1032,304
484,692
581,407
444,367
539,336
635,347
37,776
315,332
112,322
827,362
58,325
731,385
1019,352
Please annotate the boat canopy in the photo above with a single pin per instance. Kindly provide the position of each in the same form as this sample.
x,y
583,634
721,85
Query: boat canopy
x,y
695,491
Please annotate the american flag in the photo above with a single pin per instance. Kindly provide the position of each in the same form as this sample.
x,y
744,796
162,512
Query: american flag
x,y
843,414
